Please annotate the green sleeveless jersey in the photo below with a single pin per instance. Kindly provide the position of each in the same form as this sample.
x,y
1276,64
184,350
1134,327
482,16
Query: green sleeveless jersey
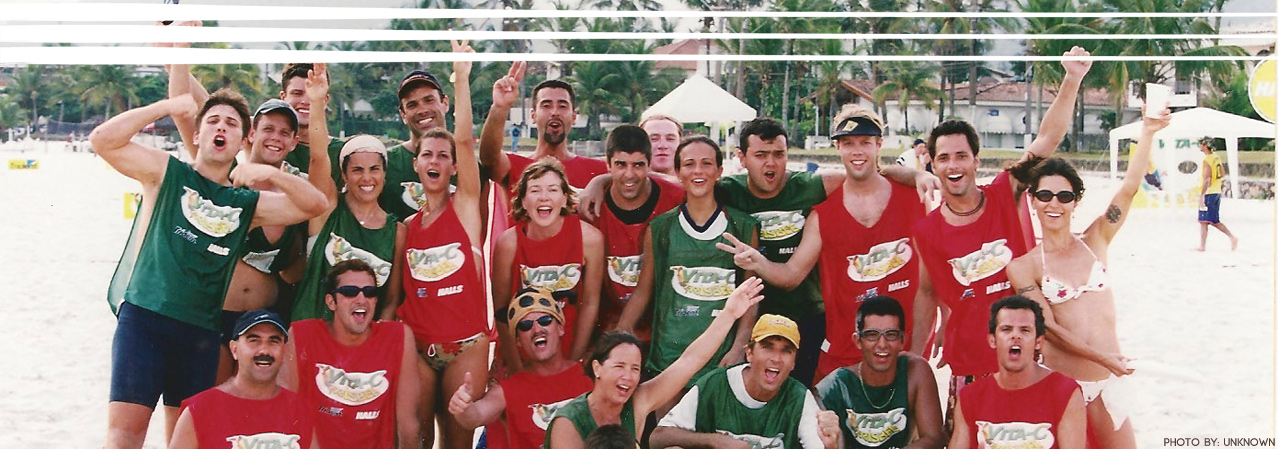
x,y
179,262
298,161
775,425
879,421
781,219
402,195
691,282
343,238
577,412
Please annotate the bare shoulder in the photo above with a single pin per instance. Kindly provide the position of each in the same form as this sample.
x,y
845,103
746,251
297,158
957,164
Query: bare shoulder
x,y
918,366
590,235
508,238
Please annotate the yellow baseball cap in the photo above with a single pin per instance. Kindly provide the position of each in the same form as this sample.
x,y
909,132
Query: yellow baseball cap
x,y
775,325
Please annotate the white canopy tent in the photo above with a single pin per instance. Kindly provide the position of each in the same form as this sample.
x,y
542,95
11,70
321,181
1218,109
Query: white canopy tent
x,y
1192,124
698,100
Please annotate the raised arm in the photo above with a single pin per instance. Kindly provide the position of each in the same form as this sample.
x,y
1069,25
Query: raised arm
x,y
471,413
1056,121
466,201
296,201
182,82
317,92
112,140
745,323
1116,214
666,385
588,302
505,92
1024,274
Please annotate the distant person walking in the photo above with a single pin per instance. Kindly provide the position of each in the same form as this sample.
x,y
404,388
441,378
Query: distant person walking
x,y
1209,206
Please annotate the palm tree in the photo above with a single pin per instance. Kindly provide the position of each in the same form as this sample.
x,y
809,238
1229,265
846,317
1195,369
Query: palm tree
x,y
11,113
597,84
109,86
908,81
830,76
242,78
28,86
640,83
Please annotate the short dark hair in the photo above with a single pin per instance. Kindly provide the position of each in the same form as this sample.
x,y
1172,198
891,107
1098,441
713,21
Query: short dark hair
x,y
764,127
628,139
954,127
612,436
556,84
230,98
1018,302
718,154
438,133
604,346
1058,167
882,306
343,267
294,70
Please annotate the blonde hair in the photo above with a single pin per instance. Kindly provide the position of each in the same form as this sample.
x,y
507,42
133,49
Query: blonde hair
x,y
534,171
851,110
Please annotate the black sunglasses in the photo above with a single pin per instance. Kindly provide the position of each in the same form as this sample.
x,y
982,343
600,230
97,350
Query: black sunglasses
x,y
526,325
1065,196
349,291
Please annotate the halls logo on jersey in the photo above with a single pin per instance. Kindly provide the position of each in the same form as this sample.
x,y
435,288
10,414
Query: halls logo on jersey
x,y
779,225
982,263
703,283
882,260
350,388
541,413
209,218
624,270
290,169
759,442
338,250
874,429
269,440
1014,435
430,265
556,278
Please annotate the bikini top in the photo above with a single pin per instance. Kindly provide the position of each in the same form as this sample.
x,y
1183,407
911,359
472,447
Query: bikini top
x,y
1057,292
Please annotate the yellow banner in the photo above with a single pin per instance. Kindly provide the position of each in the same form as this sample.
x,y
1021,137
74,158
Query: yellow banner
x,y
132,201
24,164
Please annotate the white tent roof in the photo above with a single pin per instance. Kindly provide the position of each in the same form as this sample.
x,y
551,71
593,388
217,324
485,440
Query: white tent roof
x,y
698,100
1199,122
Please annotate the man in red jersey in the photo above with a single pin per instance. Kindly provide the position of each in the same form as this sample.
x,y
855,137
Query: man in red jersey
x,y
978,229
1024,404
529,398
250,409
633,199
357,377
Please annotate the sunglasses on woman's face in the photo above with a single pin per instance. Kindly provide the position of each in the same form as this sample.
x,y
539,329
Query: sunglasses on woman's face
x,y
543,321
1065,196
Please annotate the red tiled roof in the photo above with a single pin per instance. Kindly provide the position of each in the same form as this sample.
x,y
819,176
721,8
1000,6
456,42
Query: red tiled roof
x,y
683,47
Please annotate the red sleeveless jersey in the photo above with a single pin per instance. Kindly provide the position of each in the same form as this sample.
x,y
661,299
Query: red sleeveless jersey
x,y
350,389
223,420
556,263
579,169
623,245
531,401
966,265
858,262
1028,417
444,298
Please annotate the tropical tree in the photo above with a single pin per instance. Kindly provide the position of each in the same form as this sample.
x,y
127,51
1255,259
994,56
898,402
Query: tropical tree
x,y
242,78
112,86
27,87
907,82
596,84
830,75
11,113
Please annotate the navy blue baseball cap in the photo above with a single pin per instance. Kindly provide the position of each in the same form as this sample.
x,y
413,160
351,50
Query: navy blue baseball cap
x,y
256,317
418,76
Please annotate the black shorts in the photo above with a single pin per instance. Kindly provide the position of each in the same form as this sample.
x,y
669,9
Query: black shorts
x,y
153,355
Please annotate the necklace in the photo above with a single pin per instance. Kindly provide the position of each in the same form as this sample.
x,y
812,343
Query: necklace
x,y
970,212
891,393
367,216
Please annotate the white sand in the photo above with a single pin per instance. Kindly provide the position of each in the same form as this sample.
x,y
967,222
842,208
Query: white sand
x,y
1197,313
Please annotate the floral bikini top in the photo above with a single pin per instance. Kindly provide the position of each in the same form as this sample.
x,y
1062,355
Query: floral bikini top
x,y
1058,292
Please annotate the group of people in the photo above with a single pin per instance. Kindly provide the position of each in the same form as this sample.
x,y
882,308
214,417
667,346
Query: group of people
x,y
643,299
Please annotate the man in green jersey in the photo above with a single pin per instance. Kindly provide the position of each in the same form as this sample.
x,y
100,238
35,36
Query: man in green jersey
x,y
755,404
169,286
293,92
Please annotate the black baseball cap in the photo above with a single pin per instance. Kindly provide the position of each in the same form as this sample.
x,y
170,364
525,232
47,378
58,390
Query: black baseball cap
x,y
256,317
418,76
856,126
917,141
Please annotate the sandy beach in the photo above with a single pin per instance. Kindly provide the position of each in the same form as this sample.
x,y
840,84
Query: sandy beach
x,y
1201,324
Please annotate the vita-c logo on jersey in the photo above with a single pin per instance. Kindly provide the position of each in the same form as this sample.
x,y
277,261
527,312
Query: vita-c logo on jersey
x,y
779,225
982,263
873,429
338,250
350,388
553,277
414,195
759,442
882,260
430,265
703,283
1014,435
542,413
209,218
624,270
269,440
290,169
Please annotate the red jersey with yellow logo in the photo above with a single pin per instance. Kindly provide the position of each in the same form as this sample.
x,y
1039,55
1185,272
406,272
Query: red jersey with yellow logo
x,y
966,265
858,262
1008,419
557,264
444,298
579,169
350,389
531,401
623,246
222,420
